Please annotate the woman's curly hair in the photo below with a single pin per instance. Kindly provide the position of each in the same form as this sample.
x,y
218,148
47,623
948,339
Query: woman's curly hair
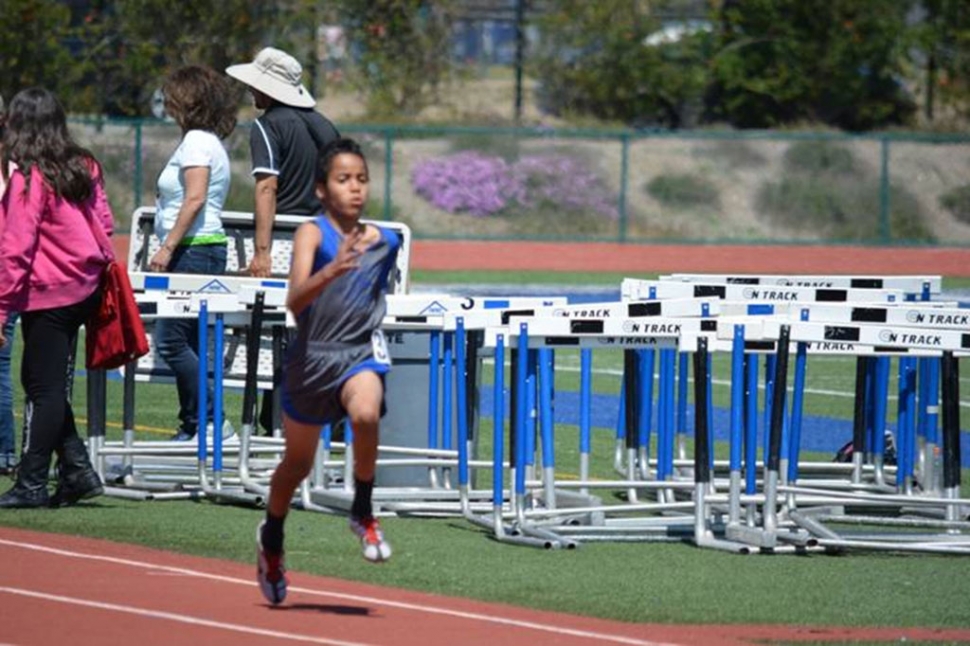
x,y
199,98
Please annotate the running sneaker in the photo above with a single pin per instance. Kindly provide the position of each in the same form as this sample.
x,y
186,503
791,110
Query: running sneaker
x,y
270,571
368,530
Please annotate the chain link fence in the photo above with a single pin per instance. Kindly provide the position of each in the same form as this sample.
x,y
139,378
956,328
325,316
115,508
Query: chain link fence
x,y
620,186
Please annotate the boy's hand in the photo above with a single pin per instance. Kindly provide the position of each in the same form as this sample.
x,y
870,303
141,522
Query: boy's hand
x,y
347,258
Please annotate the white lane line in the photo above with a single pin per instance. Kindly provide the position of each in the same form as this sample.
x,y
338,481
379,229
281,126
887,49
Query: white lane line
x,y
548,628
183,619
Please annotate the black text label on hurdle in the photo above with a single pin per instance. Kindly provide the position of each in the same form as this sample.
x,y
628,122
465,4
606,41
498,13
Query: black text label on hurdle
x,y
507,314
586,327
841,333
643,309
831,295
713,291
869,314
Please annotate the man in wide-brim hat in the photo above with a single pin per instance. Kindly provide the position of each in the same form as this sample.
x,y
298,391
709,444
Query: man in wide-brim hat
x,y
283,142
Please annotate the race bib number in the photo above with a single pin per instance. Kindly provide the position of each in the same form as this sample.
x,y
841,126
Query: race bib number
x,y
379,346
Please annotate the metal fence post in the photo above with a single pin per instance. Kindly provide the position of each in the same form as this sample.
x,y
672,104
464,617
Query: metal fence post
x,y
138,163
884,228
624,170
388,171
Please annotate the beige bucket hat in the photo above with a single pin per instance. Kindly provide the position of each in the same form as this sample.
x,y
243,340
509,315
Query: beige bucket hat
x,y
276,74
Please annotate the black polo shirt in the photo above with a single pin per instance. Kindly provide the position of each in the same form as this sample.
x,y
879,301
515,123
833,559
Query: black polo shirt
x,y
284,142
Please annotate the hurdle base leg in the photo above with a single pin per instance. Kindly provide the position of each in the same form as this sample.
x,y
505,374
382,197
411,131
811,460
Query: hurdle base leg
x,y
754,536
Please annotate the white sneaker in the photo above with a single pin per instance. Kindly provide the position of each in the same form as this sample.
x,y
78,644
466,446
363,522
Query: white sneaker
x,y
373,546
228,432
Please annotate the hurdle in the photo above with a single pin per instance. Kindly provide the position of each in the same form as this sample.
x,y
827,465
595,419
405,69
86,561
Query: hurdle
x,y
794,537
540,506
515,517
761,297
915,287
885,339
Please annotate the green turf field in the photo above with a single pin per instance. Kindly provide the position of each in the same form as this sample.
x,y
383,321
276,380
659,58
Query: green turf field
x,y
648,582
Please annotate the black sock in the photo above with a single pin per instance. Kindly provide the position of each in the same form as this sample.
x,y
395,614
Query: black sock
x,y
272,536
362,494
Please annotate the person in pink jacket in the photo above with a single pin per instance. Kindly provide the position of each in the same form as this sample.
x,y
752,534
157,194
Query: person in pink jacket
x,y
50,272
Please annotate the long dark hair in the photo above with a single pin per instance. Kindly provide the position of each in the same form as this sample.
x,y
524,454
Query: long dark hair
x,y
36,135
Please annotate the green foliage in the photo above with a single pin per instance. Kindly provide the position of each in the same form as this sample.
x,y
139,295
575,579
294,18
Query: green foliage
x,y
108,57
592,59
403,51
133,44
841,208
942,39
683,190
32,34
819,157
957,202
836,62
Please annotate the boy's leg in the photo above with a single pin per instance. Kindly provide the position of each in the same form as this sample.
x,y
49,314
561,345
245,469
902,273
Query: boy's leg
x,y
301,448
361,397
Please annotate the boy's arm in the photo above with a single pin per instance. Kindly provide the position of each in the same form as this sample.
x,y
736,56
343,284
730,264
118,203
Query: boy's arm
x,y
304,286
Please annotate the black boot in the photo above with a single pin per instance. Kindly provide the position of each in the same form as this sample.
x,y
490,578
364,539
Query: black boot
x,y
76,478
30,490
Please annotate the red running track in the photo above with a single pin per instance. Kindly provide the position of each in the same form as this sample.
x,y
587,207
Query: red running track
x,y
457,255
658,258
57,590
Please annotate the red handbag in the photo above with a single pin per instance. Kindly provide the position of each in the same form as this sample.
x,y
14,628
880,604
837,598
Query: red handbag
x,y
115,333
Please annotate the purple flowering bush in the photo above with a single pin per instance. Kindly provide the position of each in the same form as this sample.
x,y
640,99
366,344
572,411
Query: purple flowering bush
x,y
467,182
482,185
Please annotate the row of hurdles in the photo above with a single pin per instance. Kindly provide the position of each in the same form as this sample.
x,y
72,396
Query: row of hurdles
x,y
667,331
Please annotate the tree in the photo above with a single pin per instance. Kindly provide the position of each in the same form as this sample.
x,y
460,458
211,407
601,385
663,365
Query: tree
x,y
32,52
598,59
400,49
133,44
838,62
942,41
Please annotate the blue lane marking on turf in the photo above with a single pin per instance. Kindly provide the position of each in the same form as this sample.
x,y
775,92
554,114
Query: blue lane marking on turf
x,y
821,434
156,282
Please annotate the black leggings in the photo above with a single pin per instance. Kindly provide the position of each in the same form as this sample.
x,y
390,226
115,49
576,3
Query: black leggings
x,y
46,373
